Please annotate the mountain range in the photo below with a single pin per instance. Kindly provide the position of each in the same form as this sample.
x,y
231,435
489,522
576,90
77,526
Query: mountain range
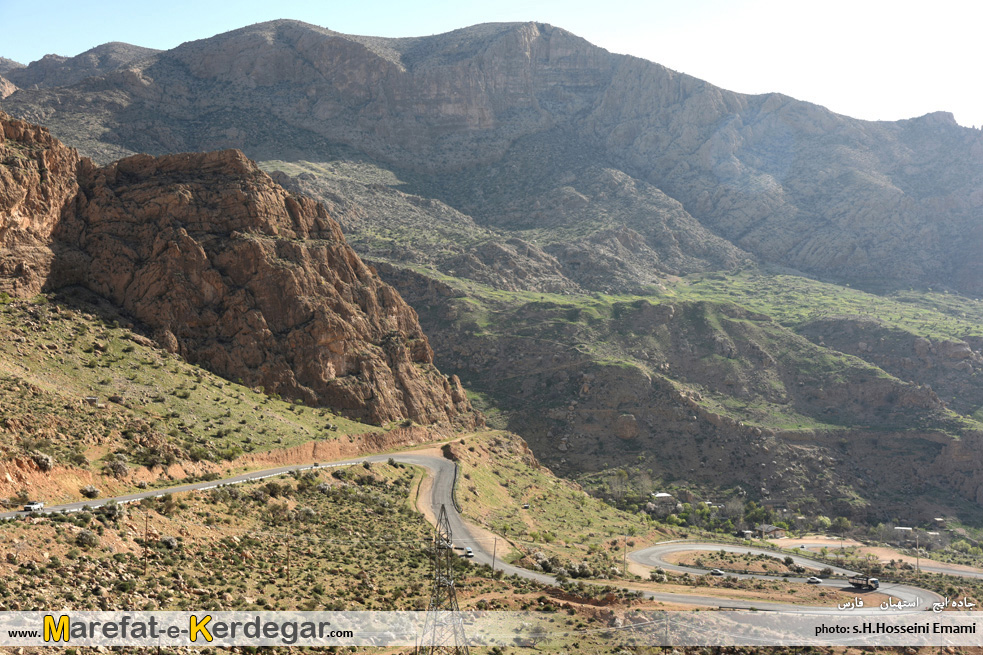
x,y
629,266
503,105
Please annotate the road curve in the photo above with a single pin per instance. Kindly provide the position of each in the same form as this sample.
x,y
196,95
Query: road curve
x,y
654,556
441,494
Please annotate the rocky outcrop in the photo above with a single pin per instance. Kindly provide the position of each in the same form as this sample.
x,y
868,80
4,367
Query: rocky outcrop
x,y
38,186
226,268
6,87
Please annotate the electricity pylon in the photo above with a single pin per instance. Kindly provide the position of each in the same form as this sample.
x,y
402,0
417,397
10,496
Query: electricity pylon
x,y
443,628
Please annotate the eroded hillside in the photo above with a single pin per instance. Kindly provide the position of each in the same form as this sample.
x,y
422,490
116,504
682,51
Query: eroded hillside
x,y
692,389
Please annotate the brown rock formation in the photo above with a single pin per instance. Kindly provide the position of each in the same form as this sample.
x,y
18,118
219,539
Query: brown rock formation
x,y
226,268
38,186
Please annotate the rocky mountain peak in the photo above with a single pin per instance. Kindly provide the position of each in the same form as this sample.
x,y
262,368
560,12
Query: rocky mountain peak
x,y
9,65
55,70
941,118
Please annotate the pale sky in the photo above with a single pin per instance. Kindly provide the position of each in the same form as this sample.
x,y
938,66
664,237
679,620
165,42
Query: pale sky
x,y
870,59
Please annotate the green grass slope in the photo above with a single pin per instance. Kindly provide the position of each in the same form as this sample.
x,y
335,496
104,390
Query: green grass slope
x,y
79,385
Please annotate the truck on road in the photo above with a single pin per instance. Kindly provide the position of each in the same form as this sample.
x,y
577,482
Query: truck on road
x,y
864,582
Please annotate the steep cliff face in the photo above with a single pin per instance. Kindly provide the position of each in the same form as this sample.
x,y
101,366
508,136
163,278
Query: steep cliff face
x,y
38,185
439,102
226,268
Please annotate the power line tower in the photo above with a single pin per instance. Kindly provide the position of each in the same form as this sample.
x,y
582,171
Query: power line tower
x,y
443,628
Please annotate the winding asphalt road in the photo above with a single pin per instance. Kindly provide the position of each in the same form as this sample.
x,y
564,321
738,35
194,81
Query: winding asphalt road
x,y
654,556
442,472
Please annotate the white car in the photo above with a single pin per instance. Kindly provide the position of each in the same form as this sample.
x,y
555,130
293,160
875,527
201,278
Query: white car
x,y
468,552
814,580
716,572
34,506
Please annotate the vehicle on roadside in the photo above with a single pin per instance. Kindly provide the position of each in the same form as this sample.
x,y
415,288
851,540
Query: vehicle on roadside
x,y
468,552
814,580
33,506
716,572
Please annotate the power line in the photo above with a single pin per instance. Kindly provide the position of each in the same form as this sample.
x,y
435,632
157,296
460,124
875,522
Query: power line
x,y
443,627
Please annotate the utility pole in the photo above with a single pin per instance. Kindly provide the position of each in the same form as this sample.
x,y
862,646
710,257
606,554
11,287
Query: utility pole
x,y
146,541
443,629
918,553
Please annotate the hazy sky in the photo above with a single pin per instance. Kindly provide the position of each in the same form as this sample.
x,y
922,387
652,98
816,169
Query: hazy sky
x,y
871,59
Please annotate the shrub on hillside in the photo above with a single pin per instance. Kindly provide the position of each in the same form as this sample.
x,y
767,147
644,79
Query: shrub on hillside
x,y
87,539
116,466
43,461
